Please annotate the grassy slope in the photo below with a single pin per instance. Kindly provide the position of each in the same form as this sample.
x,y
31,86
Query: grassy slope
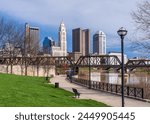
x,y
34,91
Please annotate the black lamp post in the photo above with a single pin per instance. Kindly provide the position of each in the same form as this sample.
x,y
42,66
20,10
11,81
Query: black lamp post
x,y
89,71
122,32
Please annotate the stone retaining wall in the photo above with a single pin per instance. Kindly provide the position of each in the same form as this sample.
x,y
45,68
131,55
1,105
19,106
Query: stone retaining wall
x,y
41,71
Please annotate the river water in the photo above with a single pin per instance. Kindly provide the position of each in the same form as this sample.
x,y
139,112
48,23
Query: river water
x,y
115,78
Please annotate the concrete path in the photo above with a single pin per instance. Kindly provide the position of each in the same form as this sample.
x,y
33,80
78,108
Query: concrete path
x,y
107,98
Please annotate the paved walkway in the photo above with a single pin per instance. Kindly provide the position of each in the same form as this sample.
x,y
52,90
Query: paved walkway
x,y
107,98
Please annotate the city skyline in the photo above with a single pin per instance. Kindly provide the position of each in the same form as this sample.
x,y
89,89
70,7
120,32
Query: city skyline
x,y
107,16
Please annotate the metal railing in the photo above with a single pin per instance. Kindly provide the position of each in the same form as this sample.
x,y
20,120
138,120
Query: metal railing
x,y
129,91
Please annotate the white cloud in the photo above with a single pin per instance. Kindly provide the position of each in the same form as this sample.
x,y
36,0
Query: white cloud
x,y
105,15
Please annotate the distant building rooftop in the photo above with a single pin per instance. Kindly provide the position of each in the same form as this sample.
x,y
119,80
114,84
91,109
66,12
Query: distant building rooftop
x,y
50,38
113,52
100,33
34,28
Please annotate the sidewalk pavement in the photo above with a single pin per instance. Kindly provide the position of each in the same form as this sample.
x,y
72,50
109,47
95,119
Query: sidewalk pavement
x,y
107,98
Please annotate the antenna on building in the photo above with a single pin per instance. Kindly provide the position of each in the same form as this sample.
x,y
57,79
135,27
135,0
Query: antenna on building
x,y
62,20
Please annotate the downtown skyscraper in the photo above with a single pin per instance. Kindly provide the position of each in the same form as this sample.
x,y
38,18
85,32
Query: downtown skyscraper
x,y
99,43
61,49
31,43
81,41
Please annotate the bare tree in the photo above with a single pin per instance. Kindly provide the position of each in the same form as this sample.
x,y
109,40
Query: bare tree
x,y
141,18
3,31
13,34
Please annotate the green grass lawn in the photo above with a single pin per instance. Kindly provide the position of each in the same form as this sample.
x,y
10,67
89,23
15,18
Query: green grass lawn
x,y
25,91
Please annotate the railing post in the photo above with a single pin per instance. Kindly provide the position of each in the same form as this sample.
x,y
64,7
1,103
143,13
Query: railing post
x,y
142,93
96,85
92,84
116,88
127,91
135,92
99,85
111,87
107,86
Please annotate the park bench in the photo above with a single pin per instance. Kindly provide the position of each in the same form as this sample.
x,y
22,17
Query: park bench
x,y
76,92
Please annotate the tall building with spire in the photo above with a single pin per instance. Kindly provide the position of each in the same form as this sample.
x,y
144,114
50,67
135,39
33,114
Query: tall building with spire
x,y
62,38
61,49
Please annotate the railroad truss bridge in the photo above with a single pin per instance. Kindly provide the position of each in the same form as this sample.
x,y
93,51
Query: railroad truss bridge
x,y
101,61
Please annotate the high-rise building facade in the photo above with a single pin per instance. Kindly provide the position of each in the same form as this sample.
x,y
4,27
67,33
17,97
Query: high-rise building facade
x,y
61,49
47,44
99,43
62,39
81,41
31,44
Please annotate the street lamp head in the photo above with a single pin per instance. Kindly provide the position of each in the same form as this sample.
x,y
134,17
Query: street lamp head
x,y
122,32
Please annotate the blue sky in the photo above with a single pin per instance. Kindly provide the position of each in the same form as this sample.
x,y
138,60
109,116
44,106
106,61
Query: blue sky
x,y
105,15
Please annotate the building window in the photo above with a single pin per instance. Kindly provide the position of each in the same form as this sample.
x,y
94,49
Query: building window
x,y
104,38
